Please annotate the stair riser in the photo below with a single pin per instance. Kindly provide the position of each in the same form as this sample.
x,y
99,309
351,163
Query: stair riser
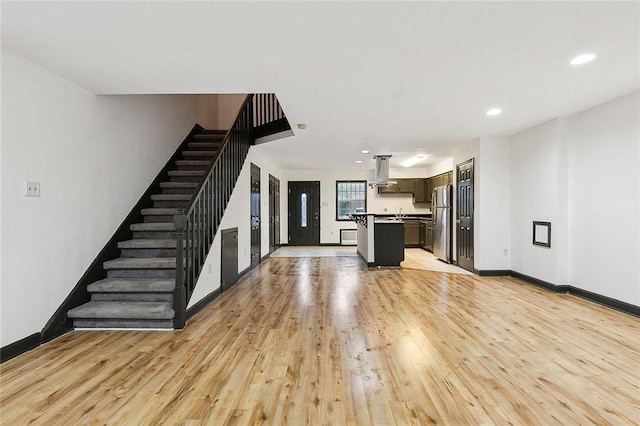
x,y
158,219
192,167
205,146
88,323
167,203
203,155
141,273
178,190
196,179
132,297
148,252
154,235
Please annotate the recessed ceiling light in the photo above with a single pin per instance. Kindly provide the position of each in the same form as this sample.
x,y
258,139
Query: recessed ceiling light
x,y
364,151
413,160
302,126
583,59
359,161
494,111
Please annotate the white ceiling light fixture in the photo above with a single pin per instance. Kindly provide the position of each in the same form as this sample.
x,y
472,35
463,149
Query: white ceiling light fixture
x,y
364,151
302,126
359,161
413,161
493,112
582,59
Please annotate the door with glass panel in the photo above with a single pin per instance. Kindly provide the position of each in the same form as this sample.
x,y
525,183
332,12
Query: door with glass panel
x,y
304,213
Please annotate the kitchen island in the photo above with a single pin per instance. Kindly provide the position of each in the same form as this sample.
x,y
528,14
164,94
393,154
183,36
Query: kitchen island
x,y
380,240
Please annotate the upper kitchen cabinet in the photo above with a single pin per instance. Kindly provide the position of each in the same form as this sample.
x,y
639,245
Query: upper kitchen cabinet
x,y
389,189
406,186
403,186
421,191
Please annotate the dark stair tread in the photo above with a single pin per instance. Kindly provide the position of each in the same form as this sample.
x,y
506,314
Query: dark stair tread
x,y
123,310
198,153
158,211
154,226
147,244
186,173
171,197
212,132
134,285
141,263
193,162
210,146
193,185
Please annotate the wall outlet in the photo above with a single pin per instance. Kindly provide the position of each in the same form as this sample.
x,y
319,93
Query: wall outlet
x,y
33,189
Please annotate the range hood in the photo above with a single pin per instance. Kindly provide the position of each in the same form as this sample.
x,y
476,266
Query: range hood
x,y
381,177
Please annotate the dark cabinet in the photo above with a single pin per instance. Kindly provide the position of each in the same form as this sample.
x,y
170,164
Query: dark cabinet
x,y
426,239
429,236
406,186
389,189
429,189
411,233
420,194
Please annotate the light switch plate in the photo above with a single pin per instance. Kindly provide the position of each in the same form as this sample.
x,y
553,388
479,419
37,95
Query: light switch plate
x,y
33,189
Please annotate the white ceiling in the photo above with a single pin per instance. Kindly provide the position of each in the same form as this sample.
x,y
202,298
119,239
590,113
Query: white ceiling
x,y
403,78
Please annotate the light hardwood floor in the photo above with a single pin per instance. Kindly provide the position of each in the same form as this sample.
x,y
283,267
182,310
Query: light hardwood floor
x,y
327,341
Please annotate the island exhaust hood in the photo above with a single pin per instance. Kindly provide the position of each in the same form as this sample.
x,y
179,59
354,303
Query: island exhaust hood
x,y
381,177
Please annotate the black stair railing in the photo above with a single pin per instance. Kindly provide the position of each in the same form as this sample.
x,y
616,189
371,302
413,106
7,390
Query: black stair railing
x,y
268,116
196,225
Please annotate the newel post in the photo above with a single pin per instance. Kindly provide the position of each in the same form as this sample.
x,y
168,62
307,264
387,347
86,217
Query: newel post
x,y
179,292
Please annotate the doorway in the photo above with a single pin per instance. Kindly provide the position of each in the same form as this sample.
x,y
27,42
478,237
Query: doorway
x,y
255,215
304,213
274,213
464,215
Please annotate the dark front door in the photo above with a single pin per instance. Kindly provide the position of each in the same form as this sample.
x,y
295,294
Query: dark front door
x,y
304,213
464,215
274,213
255,215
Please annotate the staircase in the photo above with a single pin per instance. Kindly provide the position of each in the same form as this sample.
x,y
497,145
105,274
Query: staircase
x,y
138,289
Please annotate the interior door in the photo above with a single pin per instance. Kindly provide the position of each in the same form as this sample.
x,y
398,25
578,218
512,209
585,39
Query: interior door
x,y
274,213
464,215
255,215
304,213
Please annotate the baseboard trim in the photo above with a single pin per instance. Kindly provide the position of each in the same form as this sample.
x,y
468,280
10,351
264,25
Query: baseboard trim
x,y
202,303
618,305
265,257
19,347
493,272
541,283
369,264
244,272
609,302
331,245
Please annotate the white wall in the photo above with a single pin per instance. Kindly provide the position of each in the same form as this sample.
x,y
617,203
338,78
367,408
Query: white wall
x,y
237,215
440,167
376,203
492,208
94,156
604,197
535,197
581,173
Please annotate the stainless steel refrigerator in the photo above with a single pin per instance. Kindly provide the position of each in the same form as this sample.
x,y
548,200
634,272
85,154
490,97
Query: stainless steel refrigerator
x,y
441,210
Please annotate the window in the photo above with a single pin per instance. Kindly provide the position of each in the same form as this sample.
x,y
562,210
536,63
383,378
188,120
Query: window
x,y
351,196
303,210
